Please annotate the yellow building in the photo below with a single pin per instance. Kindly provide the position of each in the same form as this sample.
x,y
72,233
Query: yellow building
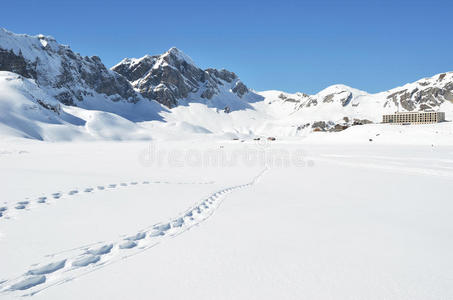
x,y
419,117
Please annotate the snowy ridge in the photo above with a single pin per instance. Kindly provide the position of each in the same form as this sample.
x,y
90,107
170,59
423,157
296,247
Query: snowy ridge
x,y
178,55
34,49
68,265
27,44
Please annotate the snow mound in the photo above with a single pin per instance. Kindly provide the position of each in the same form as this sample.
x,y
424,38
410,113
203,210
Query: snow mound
x,y
109,126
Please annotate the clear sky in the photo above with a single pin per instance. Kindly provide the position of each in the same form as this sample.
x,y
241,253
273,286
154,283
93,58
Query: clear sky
x,y
274,44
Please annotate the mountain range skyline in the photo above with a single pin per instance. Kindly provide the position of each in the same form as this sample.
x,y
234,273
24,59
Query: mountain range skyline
x,y
286,45
44,82
188,57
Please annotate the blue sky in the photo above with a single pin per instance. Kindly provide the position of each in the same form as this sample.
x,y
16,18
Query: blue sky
x,y
285,45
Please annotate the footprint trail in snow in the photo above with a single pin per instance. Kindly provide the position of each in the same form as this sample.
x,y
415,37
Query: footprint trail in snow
x,y
68,265
27,205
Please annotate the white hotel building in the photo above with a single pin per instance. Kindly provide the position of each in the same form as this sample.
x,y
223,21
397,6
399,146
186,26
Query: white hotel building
x,y
419,117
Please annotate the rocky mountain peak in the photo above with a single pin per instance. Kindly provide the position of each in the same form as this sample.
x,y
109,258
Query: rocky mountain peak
x,y
70,77
173,76
177,55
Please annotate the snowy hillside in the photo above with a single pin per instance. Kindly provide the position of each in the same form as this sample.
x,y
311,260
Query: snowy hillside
x,y
28,111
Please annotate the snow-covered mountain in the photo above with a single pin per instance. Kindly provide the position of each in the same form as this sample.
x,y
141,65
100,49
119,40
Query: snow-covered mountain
x,y
49,92
424,94
173,76
69,76
345,106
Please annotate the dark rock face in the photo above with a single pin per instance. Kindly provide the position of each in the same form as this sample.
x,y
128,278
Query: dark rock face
x,y
135,71
222,74
166,79
53,65
345,97
80,75
173,76
321,125
331,126
297,99
427,95
11,62
312,101
338,127
361,122
54,108
240,89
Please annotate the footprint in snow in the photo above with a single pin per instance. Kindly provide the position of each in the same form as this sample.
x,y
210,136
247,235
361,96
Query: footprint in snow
x,y
42,199
85,261
101,250
28,283
156,233
112,186
88,190
123,184
178,222
73,192
159,230
21,204
163,227
145,182
100,187
138,236
128,245
49,268
56,195
134,183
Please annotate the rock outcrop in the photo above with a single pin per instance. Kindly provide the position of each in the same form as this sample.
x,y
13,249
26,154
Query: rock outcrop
x,y
424,94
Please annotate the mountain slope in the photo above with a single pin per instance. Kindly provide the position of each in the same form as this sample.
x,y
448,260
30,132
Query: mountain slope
x,y
28,111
